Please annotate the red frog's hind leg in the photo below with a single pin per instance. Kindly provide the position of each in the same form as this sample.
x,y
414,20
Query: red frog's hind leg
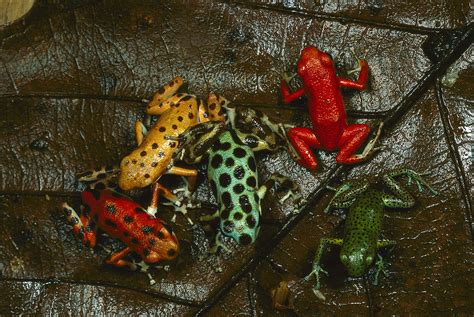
x,y
352,138
303,140
82,226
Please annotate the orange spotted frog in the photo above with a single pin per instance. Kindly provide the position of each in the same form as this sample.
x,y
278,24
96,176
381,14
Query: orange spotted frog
x,y
154,155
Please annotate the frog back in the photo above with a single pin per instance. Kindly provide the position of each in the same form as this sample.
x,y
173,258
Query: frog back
x,y
364,219
152,157
232,174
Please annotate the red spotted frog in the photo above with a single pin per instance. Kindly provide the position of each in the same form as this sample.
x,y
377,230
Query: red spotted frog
x,y
330,130
122,218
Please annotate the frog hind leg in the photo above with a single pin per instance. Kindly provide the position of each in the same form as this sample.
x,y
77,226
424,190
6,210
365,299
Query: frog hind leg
x,y
352,138
346,194
380,265
303,140
82,226
101,178
317,269
402,198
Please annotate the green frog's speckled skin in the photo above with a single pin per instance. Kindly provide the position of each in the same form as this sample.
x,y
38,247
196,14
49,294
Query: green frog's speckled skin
x,y
364,221
233,177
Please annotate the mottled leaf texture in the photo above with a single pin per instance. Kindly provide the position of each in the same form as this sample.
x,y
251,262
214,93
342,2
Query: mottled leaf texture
x,y
71,87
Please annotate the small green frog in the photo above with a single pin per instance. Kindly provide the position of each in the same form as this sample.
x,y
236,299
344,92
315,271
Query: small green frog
x,y
364,222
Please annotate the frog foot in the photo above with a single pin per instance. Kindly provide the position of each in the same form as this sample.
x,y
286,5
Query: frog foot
x,y
381,267
316,270
358,68
418,179
288,78
370,148
180,208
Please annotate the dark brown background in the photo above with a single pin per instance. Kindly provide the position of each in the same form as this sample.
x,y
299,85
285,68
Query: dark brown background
x,y
72,78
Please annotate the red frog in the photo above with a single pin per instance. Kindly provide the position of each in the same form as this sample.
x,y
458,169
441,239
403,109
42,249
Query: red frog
x,y
122,218
330,130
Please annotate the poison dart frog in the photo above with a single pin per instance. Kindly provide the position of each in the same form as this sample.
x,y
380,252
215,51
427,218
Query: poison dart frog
x,y
122,218
330,130
364,221
232,170
153,156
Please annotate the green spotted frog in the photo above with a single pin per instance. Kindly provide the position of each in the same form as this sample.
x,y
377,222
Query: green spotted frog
x,y
364,222
232,170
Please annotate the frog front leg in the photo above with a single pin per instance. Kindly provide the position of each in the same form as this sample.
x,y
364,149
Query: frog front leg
x,y
402,198
317,269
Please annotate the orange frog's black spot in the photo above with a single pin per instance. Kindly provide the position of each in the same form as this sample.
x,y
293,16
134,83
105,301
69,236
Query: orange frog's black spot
x,y
161,90
222,102
162,129
186,98
110,223
172,144
174,126
190,115
180,118
134,161
147,175
128,219
154,146
147,229
212,106
171,83
143,153
142,164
